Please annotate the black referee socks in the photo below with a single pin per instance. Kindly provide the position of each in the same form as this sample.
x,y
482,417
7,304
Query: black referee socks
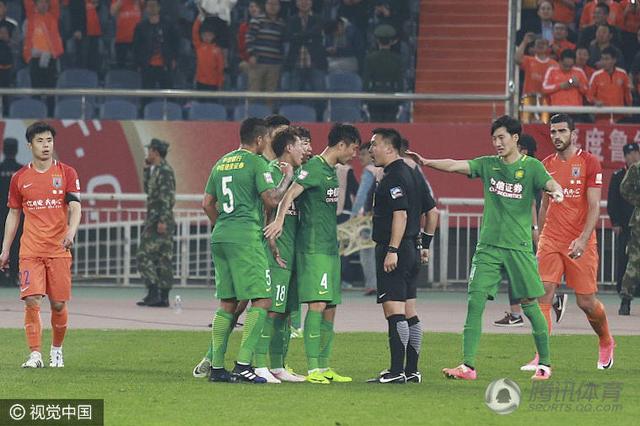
x,y
398,339
414,345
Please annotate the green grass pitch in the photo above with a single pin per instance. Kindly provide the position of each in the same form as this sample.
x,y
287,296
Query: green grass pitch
x,y
145,379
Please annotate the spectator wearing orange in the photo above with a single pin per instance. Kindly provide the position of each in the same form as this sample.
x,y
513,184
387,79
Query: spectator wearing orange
x,y
534,67
609,86
590,12
564,11
87,31
127,14
582,59
209,57
560,41
566,84
42,43
630,26
601,42
601,15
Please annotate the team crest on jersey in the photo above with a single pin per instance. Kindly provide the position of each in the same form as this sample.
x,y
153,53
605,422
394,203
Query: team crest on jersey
x,y
303,174
519,174
57,182
267,177
575,171
396,192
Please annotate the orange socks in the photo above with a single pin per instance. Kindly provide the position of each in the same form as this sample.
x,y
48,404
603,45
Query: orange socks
x,y
599,323
33,327
546,311
59,325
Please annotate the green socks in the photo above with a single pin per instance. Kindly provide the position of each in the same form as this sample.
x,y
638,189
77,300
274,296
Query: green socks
x,y
220,337
263,343
540,331
326,343
277,346
473,327
312,338
253,326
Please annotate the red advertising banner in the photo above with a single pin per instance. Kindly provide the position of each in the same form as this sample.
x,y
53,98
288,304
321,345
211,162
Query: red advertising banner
x,y
109,154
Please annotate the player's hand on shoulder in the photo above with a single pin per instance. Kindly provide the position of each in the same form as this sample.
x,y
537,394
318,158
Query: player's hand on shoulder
x,y
416,157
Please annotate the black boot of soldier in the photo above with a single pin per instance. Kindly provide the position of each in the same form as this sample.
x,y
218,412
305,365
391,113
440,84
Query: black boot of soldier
x,y
625,307
152,296
163,299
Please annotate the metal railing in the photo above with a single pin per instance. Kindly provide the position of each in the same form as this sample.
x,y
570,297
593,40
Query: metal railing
x,y
459,231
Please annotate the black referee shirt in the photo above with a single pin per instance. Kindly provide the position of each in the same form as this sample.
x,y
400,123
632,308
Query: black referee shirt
x,y
398,190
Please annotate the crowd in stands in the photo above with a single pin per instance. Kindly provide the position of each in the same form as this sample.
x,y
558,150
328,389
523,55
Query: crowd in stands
x,y
254,45
574,52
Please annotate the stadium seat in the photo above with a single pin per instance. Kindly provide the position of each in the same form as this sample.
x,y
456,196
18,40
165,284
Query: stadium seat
x,y
73,109
118,109
344,82
344,109
298,112
27,108
122,79
243,111
77,78
348,113
207,111
161,110
23,78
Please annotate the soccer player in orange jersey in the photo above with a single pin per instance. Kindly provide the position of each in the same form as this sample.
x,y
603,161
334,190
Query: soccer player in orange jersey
x,y
47,192
567,245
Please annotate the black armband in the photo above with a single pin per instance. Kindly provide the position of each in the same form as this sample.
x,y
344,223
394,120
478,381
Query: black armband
x,y
71,196
392,249
426,240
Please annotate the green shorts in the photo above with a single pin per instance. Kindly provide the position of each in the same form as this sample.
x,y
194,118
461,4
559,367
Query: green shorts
x,y
318,278
283,286
241,271
489,262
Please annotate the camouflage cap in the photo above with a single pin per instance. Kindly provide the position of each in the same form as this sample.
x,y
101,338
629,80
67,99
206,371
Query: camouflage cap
x,y
159,145
630,147
384,31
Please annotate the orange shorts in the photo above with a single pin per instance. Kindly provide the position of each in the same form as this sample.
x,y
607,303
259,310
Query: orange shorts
x,y
46,275
580,274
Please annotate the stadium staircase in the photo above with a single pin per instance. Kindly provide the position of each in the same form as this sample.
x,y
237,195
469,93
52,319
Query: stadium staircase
x,y
462,49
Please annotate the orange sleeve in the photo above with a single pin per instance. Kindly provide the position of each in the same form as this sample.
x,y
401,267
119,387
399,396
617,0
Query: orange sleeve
x,y
54,8
549,85
594,172
593,90
524,65
15,197
195,33
29,8
219,68
587,12
628,100
72,183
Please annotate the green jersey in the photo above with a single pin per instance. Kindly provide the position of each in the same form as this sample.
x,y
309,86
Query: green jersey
x,y
317,206
287,239
509,193
237,180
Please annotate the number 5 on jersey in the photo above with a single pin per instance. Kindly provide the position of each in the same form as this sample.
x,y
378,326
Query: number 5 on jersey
x,y
226,191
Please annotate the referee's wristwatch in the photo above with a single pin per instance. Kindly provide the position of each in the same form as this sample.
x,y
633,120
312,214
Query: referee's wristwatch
x,y
392,249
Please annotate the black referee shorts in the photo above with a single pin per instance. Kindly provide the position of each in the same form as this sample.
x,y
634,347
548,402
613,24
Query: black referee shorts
x,y
400,284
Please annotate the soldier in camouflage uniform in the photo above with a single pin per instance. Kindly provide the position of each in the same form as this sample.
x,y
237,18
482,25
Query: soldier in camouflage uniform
x,y
630,190
156,242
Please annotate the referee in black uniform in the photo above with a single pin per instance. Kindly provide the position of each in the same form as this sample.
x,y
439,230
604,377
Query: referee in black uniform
x,y
399,204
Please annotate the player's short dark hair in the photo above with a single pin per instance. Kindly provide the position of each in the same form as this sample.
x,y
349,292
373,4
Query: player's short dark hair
x,y
568,53
282,139
343,133
392,136
609,51
512,125
252,128
527,142
276,120
404,146
563,118
302,132
37,128
605,7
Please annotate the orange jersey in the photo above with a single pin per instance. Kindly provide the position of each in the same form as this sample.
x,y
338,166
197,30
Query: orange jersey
x,y
557,47
41,196
128,17
588,71
563,13
611,89
558,96
615,14
564,222
534,71
630,16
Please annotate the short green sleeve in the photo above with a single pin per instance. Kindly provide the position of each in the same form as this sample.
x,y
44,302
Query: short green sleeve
x,y
264,178
476,167
308,177
540,175
211,186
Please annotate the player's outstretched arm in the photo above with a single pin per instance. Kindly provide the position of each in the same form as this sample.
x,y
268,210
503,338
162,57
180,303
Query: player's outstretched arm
x,y
10,229
75,213
452,166
209,206
554,190
272,197
274,229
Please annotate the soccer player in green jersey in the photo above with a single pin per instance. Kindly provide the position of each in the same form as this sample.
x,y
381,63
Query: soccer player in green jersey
x,y
510,182
289,149
315,190
239,187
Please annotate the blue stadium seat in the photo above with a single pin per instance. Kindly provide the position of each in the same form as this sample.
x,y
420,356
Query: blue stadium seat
x,y
27,108
349,114
207,111
298,112
72,109
156,111
23,78
351,108
122,79
77,78
241,112
344,82
117,109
